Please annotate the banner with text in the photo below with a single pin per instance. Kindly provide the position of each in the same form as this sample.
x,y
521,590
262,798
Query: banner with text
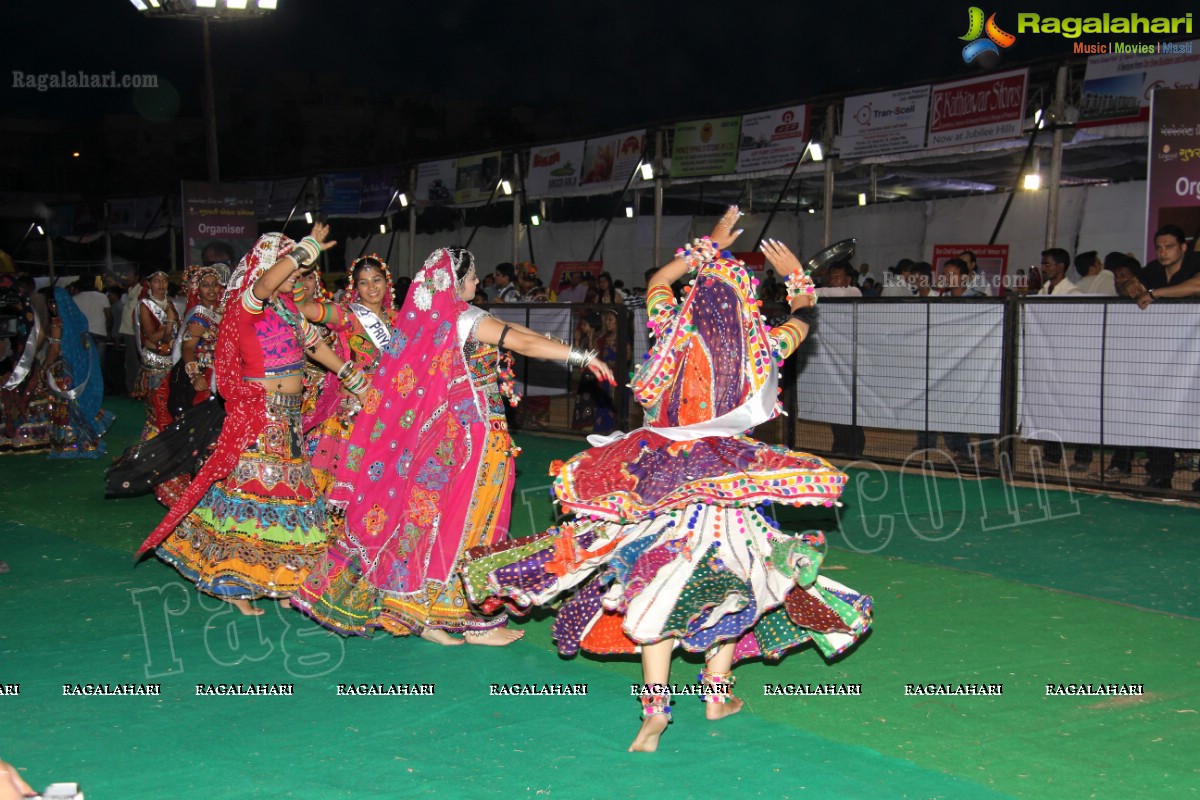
x,y
554,169
772,139
220,216
1117,86
477,177
705,147
884,122
435,182
608,161
978,109
1173,179
341,193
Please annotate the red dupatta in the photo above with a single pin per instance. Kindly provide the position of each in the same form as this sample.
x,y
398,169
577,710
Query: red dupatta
x,y
245,401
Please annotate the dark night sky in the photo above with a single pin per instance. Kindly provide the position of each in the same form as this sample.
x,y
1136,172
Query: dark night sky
x,y
619,64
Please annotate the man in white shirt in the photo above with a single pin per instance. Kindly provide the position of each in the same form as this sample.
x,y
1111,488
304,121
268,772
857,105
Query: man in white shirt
x,y
133,362
1054,273
1093,277
899,280
841,282
98,310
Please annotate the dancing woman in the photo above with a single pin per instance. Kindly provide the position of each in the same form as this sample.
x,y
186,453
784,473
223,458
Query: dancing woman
x,y
251,523
428,470
157,323
191,382
75,379
668,547
362,323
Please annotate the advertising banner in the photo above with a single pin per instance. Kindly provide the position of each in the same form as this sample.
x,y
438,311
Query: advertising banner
x,y
608,161
772,139
884,122
705,147
218,217
554,169
991,263
435,182
1173,180
341,193
477,177
377,187
976,110
1117,86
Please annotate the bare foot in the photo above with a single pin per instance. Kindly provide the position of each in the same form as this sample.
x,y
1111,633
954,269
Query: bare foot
x,y
496,637
439,637
243,605
719,710
647,739
285,602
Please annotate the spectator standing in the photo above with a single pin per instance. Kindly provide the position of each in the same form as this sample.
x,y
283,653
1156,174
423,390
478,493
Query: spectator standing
x,y
1054,273
129,307
97,309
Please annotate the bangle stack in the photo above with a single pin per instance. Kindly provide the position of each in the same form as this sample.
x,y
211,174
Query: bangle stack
x,y
312,337
298,294
580,358
800,283
305,252
700,251
352,379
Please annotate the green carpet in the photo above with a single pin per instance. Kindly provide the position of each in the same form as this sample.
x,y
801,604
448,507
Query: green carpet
x,y
981,607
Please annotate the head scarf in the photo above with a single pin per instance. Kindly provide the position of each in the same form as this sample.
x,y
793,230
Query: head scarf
x,y
414,455
712,354
81,361
245,401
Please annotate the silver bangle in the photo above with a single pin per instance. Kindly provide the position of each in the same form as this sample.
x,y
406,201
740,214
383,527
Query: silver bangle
x,y
580,358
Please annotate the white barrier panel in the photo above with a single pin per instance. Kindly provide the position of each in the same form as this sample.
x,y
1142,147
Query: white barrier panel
x,y
954,381
1147,361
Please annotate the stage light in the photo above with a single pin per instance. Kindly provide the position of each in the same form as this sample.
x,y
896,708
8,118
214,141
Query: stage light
x,y
139,5
815,152
862,199
75,154
237,5
308,217
647,171
506,187
812,211
206,3
403,198
41,231
155,3
535,220
267,5
383,227
629,212
1033,181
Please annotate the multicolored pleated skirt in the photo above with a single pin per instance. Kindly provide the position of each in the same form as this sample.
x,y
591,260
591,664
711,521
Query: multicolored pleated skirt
x,y
670,542
260,530
339,597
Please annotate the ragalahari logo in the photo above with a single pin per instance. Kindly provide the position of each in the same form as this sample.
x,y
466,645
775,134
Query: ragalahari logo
x,y
976,28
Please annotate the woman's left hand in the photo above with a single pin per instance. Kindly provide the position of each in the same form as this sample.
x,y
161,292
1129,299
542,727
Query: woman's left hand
x,y
601,371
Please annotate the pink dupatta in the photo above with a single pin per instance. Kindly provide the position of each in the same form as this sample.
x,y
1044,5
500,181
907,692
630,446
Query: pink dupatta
x,y
416,450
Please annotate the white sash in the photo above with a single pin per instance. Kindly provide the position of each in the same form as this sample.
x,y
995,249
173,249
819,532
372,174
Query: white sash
x,y
26,363
375,327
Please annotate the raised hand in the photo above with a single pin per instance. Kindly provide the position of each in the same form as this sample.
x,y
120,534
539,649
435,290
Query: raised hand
x,y
320,231
780,257
724,234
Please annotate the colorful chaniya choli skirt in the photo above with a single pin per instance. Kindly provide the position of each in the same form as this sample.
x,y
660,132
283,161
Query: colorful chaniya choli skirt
x,y
260,530
341,598
670,540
